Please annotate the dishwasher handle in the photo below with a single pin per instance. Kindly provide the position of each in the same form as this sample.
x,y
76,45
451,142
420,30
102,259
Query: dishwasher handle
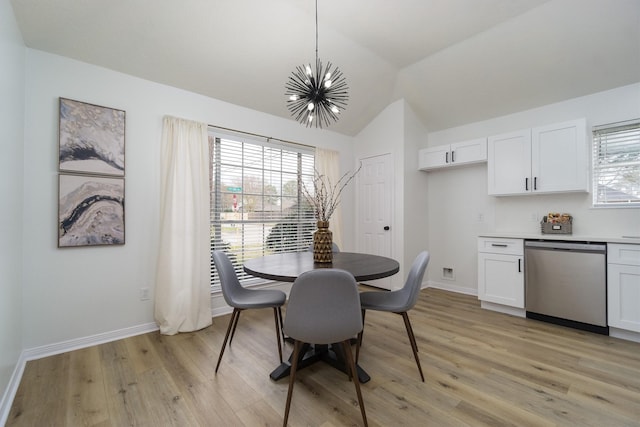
x,y
566,246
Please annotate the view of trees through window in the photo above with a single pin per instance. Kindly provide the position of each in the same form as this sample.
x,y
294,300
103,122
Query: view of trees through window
x,y
257,206
616,164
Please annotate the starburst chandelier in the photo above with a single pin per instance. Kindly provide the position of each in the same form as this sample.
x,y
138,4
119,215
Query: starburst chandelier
x,y
316,97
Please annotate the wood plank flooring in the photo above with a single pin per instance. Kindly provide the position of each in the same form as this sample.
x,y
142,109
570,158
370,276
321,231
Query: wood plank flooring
x,y
481,369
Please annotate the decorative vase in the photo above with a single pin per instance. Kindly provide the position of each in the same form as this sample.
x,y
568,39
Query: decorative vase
x,y
323,243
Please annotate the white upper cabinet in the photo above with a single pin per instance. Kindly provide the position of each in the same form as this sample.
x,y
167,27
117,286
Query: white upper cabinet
x,y
509,163
559,157
466,152
456,154
544,159
435,157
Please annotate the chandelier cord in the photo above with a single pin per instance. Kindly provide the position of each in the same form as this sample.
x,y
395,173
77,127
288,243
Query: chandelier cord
x,y
316,33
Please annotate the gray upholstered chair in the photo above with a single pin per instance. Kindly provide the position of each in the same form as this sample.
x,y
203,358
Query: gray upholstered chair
x,y
323,308
399,302
241,298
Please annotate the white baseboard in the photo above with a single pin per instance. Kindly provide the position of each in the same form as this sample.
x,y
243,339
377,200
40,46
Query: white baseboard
x,y
625,335
453,288
519,312
11,390
83,342
218,307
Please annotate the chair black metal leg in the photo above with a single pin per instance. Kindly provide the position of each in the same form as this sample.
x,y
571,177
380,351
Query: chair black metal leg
x,y
292,376
359,339
275,316
356,381
232,321
281,323
412,339
235,324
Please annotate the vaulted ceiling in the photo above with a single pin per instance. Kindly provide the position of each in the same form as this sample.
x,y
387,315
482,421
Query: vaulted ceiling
x,y
453,61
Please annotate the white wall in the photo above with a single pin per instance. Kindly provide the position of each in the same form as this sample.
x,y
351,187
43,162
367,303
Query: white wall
x,y
12,53
458,196
397,131
416,236
82,292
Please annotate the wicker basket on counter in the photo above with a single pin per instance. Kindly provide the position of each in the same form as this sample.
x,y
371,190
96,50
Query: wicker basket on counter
x,y
556,227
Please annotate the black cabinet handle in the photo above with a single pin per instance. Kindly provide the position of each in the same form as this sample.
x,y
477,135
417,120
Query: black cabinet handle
x,y
535,182
446,157
519,266
452,158
498,245
526,184
386,228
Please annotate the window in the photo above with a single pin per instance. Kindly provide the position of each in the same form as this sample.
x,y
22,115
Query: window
x,y
616,164
257,207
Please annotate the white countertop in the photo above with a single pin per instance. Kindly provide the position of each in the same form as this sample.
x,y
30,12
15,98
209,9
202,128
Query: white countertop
x,y
567,237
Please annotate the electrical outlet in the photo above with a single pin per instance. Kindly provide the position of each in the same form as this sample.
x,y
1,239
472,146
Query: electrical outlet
x,y
480,217
447,273
533,217
144,294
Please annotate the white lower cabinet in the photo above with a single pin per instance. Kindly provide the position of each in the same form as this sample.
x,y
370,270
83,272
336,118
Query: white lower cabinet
x,y
501,271
623,286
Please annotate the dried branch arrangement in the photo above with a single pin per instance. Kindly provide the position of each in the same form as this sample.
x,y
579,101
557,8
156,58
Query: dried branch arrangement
x,y
325,196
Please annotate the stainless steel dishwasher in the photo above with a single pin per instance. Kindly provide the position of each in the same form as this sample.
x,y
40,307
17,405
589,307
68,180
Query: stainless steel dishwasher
x,y
565,283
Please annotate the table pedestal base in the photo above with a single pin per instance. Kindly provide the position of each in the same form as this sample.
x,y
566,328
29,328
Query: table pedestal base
x,y
312,353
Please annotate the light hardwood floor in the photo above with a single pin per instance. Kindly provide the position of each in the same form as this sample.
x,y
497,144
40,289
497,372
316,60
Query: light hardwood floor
x,y
481,369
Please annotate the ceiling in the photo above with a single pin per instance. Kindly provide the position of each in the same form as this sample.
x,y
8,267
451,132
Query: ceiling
x,y
453,61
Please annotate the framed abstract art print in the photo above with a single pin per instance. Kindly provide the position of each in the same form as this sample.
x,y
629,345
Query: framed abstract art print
x,y
90,210
91,139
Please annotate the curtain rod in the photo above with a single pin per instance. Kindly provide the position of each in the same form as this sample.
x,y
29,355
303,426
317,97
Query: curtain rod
x,y
268,138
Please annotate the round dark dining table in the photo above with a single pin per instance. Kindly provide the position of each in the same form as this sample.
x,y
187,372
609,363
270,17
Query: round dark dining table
x,y
286,267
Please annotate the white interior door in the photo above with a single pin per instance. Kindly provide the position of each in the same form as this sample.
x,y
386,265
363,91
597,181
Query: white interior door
x,y
374,199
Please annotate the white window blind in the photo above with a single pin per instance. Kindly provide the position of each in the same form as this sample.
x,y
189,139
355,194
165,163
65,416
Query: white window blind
x,y
257,207
616,164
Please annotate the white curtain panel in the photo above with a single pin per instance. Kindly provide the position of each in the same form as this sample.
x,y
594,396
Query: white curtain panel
x,y
183,290
328,164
